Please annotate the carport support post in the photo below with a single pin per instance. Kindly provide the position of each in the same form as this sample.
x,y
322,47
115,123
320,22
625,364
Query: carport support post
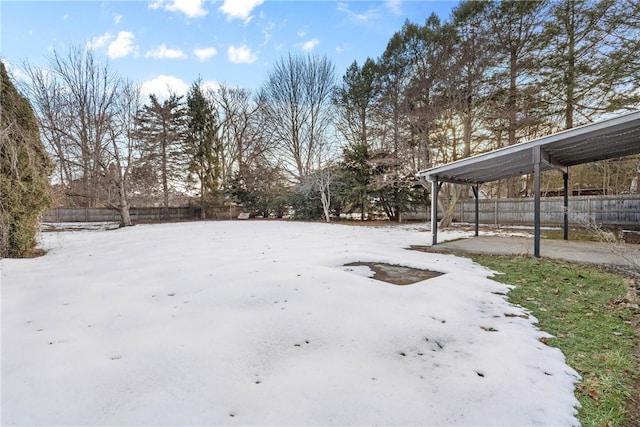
x,y
435,188
565,178
475,193
536,201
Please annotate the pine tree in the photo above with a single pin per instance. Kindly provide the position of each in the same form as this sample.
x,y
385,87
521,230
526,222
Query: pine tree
x,y
576,44
202,146
357,175
161,131
355,100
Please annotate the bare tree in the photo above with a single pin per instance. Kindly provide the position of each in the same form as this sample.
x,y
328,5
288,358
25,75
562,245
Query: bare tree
x,y
85,113
323,182
242,131
75,102
295,102
44,91
121,153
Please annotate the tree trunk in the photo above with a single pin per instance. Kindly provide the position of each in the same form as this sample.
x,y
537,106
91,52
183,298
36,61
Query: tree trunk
x,y
123,208
165,180
203,212
326,201
447,218
512,183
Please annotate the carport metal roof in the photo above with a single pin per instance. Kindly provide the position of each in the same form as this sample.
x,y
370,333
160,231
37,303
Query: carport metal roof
x,y
607,139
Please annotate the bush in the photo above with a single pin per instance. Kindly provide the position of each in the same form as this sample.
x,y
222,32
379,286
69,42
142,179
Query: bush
x,y
24,172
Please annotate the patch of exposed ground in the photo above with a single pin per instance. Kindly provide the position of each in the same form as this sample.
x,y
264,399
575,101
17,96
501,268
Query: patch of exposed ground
x,y
396,274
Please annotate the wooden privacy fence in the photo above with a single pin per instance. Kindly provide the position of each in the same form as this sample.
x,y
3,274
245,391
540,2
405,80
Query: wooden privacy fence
x,y
621,210
137,214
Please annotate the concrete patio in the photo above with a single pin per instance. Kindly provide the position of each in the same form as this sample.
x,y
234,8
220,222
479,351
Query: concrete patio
x,y
575,251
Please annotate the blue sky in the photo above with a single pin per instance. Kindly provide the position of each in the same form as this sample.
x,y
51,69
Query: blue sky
x,y
173,42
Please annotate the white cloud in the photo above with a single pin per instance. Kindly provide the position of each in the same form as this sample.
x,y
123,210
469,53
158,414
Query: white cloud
x,y
241,55
205,53
394,6
99,41
302,33
310,44
65,17
210,85
364,17
122,46
267,31
163,52
155,4
163,85
191,8
117,19
239,9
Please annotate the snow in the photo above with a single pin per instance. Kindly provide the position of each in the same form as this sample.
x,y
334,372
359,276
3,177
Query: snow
x,y
79,226
260,323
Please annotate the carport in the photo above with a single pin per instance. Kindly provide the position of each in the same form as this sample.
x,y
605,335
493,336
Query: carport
x,y
607,139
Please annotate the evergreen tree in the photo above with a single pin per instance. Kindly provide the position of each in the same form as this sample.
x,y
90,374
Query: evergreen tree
x,y
515,100
357,174
621,63
355,100
262,190
202,146
161,132
574,65
24,172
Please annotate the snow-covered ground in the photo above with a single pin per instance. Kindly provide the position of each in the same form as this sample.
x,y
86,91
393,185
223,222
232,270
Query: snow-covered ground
x,y
260,323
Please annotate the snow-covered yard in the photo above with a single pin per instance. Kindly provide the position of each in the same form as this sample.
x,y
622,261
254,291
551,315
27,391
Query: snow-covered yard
x,y
261,323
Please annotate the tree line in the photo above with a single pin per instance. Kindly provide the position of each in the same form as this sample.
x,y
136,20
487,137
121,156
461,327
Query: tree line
x,y
315,145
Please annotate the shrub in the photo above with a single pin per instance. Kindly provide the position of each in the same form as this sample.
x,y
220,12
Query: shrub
x,y
24,172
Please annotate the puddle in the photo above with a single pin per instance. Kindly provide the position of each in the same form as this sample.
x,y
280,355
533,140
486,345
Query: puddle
x,y
396,274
